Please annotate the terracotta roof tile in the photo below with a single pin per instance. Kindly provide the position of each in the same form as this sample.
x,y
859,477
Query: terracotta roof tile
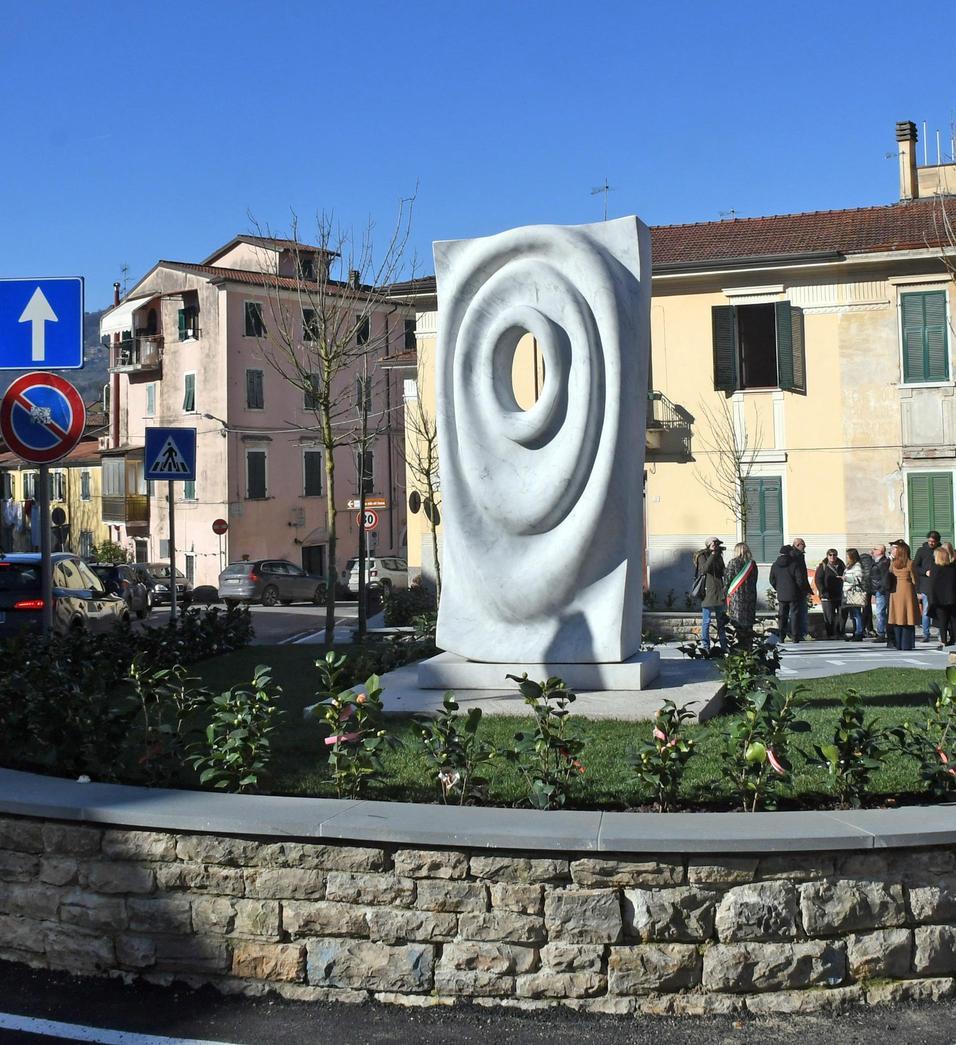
x,y
898,226
260,279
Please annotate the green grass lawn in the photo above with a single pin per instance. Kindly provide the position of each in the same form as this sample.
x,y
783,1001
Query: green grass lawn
x,y
298,768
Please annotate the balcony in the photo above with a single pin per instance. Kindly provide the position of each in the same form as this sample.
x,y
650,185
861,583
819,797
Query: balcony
x,y
142,354
131,510
668,429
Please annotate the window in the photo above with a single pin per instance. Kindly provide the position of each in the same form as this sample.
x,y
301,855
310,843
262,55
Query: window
x,y
7,485
190,567
189,490
410,342
362,329
363,394
312,464
29,486
254,395
925,349
310,325
86,544
758,346
254,325
764,530
86,493
929,498
164,548
189,393
363,469
188,322
311,393
57,486
255,475
151,400
307,267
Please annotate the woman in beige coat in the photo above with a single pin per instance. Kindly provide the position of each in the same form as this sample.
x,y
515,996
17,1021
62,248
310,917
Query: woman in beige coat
x,y
905,611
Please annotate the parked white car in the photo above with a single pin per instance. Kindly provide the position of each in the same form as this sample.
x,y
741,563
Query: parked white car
x,y
382,572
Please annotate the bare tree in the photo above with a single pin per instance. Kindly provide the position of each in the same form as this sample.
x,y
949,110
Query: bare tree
x,y
729,450
421,459
330,307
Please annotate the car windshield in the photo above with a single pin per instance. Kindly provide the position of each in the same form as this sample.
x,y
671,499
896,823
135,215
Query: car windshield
x,y
18,576
237,569
102,571
162,572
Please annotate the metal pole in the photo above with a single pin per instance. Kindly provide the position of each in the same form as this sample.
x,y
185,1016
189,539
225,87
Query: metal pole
x,y
220,553
46,563
172,554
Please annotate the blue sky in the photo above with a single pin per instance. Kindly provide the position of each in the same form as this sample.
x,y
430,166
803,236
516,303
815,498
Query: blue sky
x,y
141,131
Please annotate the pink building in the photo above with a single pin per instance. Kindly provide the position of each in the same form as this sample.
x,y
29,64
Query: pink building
x,y
189,347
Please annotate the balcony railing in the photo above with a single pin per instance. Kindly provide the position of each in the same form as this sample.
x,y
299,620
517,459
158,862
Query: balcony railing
x,y
662,413
137,354
131,509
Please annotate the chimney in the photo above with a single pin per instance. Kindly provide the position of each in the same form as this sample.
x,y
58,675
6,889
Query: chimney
x,y
116,298
909,182
354,278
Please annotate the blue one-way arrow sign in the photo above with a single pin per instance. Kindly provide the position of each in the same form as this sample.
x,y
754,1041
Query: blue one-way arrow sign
x,y
41,323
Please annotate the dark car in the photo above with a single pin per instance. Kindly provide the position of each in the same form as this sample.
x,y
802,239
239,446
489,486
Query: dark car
x,y
80,600
156,577
122,581
270,581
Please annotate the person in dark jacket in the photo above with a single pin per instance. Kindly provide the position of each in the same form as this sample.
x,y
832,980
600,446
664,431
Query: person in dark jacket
x,y
709,563
801,625
942,596
829,582
866,565
880,585
784,581
923,562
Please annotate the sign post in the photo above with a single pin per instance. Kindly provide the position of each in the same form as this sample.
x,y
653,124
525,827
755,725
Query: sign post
x,y
171,455
42,418
219,527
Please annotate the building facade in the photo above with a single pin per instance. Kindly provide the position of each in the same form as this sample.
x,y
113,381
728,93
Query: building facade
x,y
191,346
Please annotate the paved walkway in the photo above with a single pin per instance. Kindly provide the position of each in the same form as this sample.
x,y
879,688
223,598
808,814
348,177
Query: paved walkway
x,y
813,660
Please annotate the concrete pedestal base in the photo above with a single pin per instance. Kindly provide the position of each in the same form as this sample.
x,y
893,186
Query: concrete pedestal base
x,y
448,671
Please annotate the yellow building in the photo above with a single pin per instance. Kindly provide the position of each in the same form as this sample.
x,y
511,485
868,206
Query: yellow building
x,y
75,489
802,380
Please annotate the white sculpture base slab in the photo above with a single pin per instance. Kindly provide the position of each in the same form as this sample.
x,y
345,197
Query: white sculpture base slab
x,y
449,671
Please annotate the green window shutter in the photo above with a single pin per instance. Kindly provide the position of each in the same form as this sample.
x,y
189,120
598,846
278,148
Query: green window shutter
x,y
189,393
313,473
930,502
724,318
181,315
791,363
925,343
764,525
934,325
254,395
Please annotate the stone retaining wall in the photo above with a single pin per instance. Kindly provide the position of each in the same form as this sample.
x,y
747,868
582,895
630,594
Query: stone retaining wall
x,y
669,934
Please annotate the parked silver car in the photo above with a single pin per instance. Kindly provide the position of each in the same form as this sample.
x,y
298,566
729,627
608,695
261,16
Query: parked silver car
x,y
382,573
269,581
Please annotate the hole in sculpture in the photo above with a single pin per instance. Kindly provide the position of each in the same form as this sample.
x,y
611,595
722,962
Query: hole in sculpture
x,y
527,372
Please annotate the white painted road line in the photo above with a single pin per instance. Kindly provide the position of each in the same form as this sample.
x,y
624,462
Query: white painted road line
x,y
80,1032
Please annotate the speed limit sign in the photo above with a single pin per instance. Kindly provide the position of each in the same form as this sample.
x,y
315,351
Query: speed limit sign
x,y
370,519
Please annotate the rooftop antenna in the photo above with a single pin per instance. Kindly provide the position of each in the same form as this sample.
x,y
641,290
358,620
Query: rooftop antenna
x,y
605,188
732,214
124,269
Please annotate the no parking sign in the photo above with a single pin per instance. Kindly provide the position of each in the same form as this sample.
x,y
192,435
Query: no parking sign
x,y
42,417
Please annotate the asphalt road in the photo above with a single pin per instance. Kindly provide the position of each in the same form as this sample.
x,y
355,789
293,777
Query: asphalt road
x,y
278,624
205,1016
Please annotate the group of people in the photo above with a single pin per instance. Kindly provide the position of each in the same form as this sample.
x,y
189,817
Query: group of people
x,y
887,597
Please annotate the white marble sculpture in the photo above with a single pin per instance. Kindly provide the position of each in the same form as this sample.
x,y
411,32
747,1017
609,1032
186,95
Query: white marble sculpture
x,y
543,508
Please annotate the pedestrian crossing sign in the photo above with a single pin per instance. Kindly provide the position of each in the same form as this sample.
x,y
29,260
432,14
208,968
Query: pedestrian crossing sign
x,y
171,454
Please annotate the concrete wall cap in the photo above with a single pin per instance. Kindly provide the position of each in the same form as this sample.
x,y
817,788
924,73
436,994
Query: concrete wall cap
x,y
28,794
